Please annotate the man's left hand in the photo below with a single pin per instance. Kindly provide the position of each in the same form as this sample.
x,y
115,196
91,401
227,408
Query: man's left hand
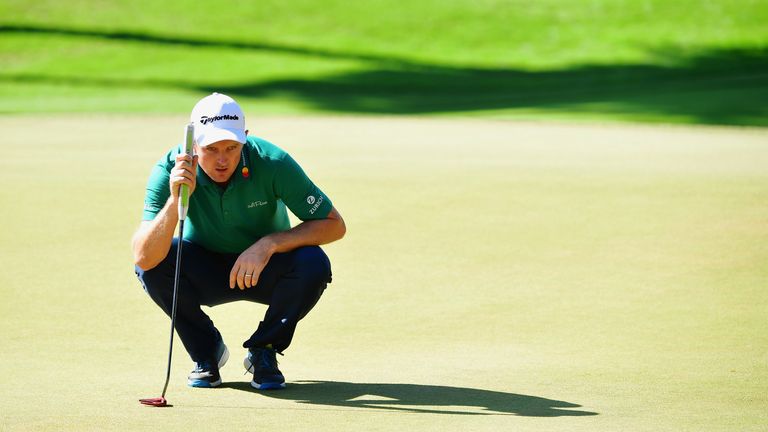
x,y
249,265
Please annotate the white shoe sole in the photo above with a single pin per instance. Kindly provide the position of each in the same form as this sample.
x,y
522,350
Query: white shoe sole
x,y
224,357
199,383
270,386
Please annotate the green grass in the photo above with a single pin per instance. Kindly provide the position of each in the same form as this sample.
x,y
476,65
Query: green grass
x,y
652,60
495,276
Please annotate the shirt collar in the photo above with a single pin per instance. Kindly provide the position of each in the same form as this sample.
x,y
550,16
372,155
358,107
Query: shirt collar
x,y
202,178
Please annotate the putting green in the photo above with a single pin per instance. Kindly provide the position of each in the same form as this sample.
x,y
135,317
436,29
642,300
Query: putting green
x,y
495,276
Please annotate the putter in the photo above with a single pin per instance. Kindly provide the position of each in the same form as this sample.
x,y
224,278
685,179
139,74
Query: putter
x,y
189,135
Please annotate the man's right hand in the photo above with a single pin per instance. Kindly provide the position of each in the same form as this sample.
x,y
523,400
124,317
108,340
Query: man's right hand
x,y
184,172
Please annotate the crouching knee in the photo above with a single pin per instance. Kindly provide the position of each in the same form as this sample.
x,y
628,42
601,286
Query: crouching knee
x,y
313,265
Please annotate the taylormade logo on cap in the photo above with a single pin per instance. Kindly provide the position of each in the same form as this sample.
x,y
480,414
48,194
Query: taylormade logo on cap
x,y
206,119
218,117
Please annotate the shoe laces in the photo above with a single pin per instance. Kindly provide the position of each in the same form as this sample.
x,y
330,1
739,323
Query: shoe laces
x,y
203,366
265,359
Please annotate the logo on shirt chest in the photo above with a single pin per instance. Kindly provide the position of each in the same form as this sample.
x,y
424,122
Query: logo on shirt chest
x,y
256,204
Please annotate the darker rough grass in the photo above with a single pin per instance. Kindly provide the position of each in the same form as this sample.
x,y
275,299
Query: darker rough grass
x,y
714,86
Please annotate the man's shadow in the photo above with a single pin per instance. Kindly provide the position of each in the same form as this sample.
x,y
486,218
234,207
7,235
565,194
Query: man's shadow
x,y
418,398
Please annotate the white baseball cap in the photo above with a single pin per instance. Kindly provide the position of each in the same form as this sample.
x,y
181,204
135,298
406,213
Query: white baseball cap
x,y
217,117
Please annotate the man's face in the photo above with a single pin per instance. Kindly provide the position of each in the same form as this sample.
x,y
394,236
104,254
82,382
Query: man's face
x,y
220,159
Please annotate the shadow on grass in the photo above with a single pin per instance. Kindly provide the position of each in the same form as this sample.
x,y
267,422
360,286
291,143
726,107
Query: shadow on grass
x,y
417,398
701,91
129,36
715,86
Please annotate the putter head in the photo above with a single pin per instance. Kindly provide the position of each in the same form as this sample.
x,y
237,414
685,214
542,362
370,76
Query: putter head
x,y
156,402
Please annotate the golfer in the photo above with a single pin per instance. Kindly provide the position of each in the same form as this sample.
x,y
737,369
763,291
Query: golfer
x,y
238,241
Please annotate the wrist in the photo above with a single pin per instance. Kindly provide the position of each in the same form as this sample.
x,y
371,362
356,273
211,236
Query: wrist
x,y
269,243
172,206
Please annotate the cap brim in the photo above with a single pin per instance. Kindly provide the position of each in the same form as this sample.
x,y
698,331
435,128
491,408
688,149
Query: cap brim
x,y
208,136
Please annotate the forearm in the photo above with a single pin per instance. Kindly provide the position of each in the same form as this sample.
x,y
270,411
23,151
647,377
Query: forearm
x,y
308,233
246,270
153,239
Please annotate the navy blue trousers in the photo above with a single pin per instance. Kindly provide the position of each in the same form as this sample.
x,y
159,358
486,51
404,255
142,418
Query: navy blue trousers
x,y
291,284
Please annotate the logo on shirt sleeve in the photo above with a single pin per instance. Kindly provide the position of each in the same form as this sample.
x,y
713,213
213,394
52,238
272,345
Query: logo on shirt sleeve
x,y
311,200
152,208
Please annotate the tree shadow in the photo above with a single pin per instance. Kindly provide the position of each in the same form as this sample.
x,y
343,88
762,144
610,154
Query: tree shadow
x,y
709,86
417,398
700,91
156,39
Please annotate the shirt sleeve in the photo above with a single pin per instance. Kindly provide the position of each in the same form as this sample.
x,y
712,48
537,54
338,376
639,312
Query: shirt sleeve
x,y
157,192
297,191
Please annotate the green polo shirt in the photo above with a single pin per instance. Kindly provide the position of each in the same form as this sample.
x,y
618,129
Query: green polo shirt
x,y
229,220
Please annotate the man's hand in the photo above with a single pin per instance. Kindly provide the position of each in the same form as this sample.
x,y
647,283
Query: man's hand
x,y
184,172
247,269
249,265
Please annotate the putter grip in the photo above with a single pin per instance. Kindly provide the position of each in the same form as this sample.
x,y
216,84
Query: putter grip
x,y
189,137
